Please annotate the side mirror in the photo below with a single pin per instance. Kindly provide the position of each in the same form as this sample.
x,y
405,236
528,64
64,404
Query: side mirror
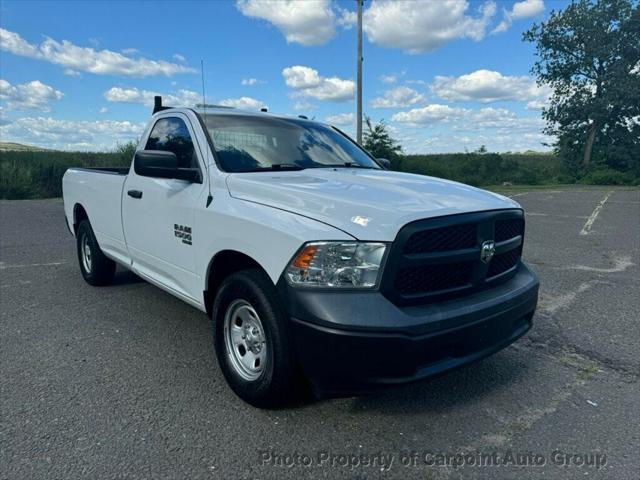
x,y
162,164
384,163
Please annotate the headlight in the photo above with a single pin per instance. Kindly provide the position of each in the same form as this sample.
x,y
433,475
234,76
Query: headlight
x,y
337,265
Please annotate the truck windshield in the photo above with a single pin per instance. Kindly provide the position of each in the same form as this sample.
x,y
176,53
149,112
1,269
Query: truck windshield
x,y
252,143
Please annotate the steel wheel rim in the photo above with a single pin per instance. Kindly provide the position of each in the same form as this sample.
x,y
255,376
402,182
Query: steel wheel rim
x,y
245,340
85,250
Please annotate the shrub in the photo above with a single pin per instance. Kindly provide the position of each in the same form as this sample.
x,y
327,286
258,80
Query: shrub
x,y
486,168
609,176
38,174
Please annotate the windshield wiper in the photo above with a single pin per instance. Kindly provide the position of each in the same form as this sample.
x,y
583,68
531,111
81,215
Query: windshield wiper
x,y
344,165
285,166
276,166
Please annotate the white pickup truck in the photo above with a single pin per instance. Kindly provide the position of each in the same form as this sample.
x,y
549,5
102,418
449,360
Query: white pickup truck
x,y
317,266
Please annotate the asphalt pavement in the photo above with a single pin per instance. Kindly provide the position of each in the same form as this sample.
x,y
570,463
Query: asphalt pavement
x,y
122,381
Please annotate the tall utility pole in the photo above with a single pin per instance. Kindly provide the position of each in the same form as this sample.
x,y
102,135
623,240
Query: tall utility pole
x,y
359,94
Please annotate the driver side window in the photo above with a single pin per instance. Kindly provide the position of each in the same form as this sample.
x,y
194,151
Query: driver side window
x,y
172,135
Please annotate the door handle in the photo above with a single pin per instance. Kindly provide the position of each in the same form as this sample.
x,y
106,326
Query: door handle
x,y
135,193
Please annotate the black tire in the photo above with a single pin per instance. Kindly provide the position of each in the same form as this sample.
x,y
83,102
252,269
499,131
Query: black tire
x,y
279,382
99,269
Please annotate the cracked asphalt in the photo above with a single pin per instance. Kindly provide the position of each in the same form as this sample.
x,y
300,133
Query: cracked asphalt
x,y
122,381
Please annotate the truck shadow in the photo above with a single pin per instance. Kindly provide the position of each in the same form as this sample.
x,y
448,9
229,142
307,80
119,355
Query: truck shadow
x,y
443,393
125,277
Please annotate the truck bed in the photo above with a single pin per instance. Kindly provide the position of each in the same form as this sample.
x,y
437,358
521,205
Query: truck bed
x,y
109,170
99,192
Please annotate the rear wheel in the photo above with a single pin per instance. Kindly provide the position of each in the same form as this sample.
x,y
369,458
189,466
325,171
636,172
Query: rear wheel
x,y
95,267
252,341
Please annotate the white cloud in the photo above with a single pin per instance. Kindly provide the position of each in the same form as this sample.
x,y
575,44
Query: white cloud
x,y
103,110
469,120
537,104
398,97
427,115
527,8
87,59
300,77
250,82
33,95
347,18
309,22
523,9
441,128
69,72
182,98
506,121
307,82
341,119
487,86
454,143
179,58
489,118
14,43
243,103
425,26
70,135
389,79
303,106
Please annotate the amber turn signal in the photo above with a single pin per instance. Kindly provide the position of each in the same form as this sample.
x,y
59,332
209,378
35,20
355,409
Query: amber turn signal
x,y
303,259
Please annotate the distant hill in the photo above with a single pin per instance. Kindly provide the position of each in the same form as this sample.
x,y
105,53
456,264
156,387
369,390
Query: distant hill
x,y
19,147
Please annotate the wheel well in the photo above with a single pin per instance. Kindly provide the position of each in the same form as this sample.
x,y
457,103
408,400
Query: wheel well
x,y
79,214
224,264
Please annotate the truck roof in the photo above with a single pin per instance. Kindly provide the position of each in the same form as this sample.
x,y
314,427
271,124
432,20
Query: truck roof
x,y
220,110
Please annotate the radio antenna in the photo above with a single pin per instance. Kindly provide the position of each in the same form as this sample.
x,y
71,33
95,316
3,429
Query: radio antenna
x,y
204,114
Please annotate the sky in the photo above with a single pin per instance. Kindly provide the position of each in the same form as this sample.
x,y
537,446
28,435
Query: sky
x,y
444,75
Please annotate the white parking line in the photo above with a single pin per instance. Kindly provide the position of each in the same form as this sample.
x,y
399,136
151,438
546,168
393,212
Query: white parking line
x,y
20,283
620,264
535,191
3,266
592,218
537,214
551,304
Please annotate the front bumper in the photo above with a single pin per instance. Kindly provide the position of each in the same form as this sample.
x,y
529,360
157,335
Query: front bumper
x,y
353,342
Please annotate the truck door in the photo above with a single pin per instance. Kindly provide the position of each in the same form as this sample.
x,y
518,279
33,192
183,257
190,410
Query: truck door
x,y
158,213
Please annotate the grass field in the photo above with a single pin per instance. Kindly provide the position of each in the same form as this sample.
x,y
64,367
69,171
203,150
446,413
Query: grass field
x,y
488,168
38,174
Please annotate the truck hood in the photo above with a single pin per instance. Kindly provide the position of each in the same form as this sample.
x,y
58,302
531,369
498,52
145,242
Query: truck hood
x,y
367,204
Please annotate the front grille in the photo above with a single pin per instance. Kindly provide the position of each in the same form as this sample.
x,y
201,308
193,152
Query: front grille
x,y
412,280
503,262
455,237
508,228
440,258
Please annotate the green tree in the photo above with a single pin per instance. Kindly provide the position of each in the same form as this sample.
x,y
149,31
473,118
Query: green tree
x,y
378,142
589,55
124,152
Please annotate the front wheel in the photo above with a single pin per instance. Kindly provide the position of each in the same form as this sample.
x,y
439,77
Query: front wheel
x,y
95,267
252,342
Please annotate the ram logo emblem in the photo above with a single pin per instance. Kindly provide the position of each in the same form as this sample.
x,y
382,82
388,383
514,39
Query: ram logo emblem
x,y
487,251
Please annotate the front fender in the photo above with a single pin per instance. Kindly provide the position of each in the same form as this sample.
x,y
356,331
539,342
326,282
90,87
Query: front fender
x,y
267,235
